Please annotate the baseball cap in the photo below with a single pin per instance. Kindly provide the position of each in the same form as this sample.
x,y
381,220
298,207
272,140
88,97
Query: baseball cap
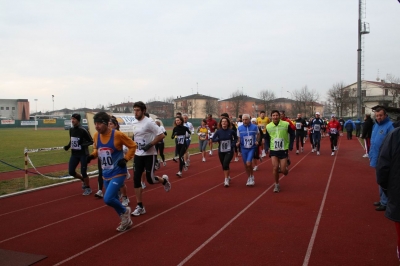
x,y
333,115
253,119
317,113
76,116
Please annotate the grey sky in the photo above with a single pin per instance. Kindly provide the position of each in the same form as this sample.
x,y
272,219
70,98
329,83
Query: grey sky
x,y
87,53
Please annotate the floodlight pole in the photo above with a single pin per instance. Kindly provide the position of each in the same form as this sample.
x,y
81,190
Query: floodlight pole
x,y
359,50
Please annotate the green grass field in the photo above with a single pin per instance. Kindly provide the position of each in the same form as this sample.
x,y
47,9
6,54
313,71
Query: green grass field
x,y
15,140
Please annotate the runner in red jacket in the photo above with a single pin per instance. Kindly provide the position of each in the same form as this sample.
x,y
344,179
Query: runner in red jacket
x,y
333,129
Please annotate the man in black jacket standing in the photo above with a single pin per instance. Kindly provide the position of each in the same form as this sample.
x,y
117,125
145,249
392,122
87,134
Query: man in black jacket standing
x,y
388,177
79,142
366,133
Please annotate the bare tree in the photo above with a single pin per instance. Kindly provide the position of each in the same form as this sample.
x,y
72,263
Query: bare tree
x,y
169,99
350,102
237,102
393,86
305,100
266,99
336,97
211,107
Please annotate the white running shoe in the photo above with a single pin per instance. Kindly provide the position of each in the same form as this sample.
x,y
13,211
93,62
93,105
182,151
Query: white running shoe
x,y
167,185
203,160
255,168
236,159
226,183
297,152
277,188
312,150
164,163
87,191
179,174
125,201
263,153
99,194
333,153
126,221
252,182
188,162
138,211
185,168
365,155
143,185
318,153
211,152
248,181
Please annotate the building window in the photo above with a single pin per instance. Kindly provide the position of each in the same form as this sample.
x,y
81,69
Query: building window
x,y
7,108
1,108
364,93
386,92
13,108
346,94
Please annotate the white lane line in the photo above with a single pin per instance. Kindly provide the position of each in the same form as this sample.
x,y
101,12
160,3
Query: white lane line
x,y
321,208
152,218
37,205
83,213
231,221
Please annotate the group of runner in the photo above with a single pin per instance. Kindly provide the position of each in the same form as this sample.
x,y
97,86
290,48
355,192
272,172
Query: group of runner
x,y
252,138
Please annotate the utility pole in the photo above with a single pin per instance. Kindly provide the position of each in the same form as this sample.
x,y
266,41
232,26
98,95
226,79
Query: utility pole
x,y
363,28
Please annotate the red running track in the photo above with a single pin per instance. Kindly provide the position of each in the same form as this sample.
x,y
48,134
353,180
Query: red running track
x,y
322,216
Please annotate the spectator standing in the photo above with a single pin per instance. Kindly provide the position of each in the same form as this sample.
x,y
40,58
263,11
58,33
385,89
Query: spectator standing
x,y
381,128
358,127
366,133
349,126
388,177
341,122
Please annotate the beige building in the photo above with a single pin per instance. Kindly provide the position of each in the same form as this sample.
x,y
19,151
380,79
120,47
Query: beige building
x,y
196,105
373,93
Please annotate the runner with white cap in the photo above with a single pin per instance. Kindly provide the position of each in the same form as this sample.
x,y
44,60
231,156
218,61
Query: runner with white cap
x,y
316,125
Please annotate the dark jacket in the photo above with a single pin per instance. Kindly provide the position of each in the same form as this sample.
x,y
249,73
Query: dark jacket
x,y
388,173
367,128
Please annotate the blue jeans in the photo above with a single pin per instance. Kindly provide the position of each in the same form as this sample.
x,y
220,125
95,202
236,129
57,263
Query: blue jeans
x,y
111,195
383,197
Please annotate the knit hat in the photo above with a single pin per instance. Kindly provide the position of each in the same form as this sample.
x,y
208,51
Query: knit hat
x,y
76,116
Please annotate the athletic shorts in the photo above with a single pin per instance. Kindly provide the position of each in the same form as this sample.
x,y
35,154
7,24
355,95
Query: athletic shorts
x,y
248,154
279,154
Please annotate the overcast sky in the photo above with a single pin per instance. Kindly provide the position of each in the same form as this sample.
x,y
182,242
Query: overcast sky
x,y
90,53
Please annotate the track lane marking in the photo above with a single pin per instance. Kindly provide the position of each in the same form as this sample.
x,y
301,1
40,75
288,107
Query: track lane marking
x,y
321,208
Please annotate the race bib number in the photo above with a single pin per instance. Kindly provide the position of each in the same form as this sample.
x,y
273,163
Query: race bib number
x,y
180,139
75,144
317,127
248,141
106,159
333,130
279,144
298,125
140,143
225,145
